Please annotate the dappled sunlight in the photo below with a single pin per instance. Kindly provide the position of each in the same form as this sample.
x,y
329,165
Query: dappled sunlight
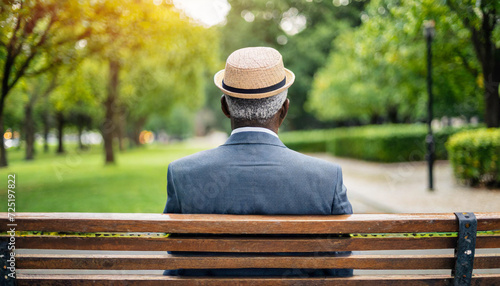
x,y
146,137
7,135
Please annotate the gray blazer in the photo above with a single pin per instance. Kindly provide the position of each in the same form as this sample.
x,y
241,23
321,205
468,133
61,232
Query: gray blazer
x,y
255,173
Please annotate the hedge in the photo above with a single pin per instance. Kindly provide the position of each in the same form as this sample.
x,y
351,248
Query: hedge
x,y
308,141
382,143
385,143
474,156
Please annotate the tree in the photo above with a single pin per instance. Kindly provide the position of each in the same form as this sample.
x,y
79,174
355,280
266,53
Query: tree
x,y
376,73
481,18
77,97
35,88
168,76
14,115
301,30
140,36
36,37
306,52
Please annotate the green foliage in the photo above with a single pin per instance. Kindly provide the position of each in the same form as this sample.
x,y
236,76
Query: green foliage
x,y
304,48
475,156
383,143
13,113
308,140
163,65
391,143
162,60
179,123
305,52
379,69
169,75
80,87
39,35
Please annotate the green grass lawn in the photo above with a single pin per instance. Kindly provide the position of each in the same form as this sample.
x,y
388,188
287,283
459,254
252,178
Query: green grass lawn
x,y
80,182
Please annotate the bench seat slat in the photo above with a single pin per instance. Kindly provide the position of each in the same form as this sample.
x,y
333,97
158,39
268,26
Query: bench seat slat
x,y
153,280
245,244
237,224
154,262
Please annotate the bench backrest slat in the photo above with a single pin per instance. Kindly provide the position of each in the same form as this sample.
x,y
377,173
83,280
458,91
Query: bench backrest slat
x,y
149,262
149,280
237,224
246,244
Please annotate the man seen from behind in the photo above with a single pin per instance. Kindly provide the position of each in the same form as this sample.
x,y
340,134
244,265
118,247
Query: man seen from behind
x,y
254,172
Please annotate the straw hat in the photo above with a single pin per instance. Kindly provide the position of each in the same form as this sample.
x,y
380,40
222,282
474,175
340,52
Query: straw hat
x,y
256,72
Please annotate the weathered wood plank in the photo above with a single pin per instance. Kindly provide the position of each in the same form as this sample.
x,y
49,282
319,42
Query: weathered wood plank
x,y
153,262
238,224
246,244
153,280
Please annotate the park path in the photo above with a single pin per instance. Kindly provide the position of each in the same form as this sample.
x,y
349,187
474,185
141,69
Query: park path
x,y
402,188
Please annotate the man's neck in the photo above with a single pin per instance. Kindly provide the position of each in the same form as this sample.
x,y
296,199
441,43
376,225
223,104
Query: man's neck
x,y
273,127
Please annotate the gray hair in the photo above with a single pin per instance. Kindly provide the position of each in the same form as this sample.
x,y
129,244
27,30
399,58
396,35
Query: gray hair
x,y
259,110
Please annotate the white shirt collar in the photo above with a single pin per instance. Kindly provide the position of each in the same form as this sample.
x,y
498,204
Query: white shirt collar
x,y
254,129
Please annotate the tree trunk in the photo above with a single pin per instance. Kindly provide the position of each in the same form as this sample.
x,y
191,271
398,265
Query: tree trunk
x,y
46,128
60,128
120,130
487,54
491,97
490,64
374,119
136,132
392,114
80,132
489,57
121,140
108,125
29,129
46,114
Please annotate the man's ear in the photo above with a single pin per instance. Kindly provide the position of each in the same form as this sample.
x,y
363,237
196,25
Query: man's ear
x,y
224,107
284,110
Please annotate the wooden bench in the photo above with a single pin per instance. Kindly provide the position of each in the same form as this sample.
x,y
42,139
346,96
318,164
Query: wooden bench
x,y
252,234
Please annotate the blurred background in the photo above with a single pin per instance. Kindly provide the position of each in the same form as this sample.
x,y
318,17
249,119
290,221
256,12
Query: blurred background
x,y
98,96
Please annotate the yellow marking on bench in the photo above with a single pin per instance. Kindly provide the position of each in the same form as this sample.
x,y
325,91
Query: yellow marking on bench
x,y
163,235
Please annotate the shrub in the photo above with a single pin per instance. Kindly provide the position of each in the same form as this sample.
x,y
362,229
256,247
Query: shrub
x,y
474,156
307,141
383,143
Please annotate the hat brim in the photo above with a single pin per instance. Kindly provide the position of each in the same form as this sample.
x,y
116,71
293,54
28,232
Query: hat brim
x,y
290,78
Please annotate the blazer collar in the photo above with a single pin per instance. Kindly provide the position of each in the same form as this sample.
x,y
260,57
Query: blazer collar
x,y
254,138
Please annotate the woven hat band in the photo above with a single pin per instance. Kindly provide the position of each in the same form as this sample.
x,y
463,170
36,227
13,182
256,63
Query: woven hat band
x,y
255,90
